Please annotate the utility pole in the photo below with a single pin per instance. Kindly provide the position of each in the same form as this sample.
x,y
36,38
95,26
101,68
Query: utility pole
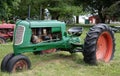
x,y
29,9
41,12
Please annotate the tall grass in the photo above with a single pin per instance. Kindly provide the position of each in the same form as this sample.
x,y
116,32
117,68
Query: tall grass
x,y
64,64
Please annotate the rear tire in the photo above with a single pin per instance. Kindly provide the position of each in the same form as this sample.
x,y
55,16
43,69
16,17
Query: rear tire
x,y
99,44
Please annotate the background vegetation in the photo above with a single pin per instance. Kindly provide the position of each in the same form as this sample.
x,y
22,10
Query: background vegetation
x,y
59,9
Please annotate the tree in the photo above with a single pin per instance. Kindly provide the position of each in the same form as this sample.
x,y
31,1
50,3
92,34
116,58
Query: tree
x,y
58,8
97,6
6,8
30,6
114,10
35,9
63,9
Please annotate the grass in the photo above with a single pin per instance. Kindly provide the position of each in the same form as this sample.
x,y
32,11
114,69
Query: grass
x,y
64,64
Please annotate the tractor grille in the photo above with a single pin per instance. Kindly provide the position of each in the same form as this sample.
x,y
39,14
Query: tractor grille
x,y
19,35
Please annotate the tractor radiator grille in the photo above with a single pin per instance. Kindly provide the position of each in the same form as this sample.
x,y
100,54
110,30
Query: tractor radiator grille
x,y
19,35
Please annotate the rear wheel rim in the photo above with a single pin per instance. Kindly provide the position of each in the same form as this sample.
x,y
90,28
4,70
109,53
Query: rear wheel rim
x,y
20,66
104,47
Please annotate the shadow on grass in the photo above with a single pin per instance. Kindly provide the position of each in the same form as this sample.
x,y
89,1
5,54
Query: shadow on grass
x,y
76,58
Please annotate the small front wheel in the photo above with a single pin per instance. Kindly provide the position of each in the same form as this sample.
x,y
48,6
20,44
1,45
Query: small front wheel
x,y
18,63
5,61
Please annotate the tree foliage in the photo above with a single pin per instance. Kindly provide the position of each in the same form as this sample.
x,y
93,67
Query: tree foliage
x,y
21,8
57,8
6,7
114,10
97,6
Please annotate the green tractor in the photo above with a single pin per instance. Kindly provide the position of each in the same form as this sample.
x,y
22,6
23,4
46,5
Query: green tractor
x,y
38,36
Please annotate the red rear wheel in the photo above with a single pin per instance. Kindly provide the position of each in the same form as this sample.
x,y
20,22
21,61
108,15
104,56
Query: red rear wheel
x,y
104,47
99,44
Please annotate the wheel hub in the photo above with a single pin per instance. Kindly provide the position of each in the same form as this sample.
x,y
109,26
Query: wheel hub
x,y
20,65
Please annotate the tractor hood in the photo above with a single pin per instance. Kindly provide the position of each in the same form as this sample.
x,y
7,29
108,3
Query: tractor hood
x,y
46,23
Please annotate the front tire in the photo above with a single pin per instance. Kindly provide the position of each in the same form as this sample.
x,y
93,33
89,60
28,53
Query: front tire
x,y
5,61
99,44
18,63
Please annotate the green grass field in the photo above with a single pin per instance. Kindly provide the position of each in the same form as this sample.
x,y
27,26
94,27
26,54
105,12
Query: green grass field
x,y
64,64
